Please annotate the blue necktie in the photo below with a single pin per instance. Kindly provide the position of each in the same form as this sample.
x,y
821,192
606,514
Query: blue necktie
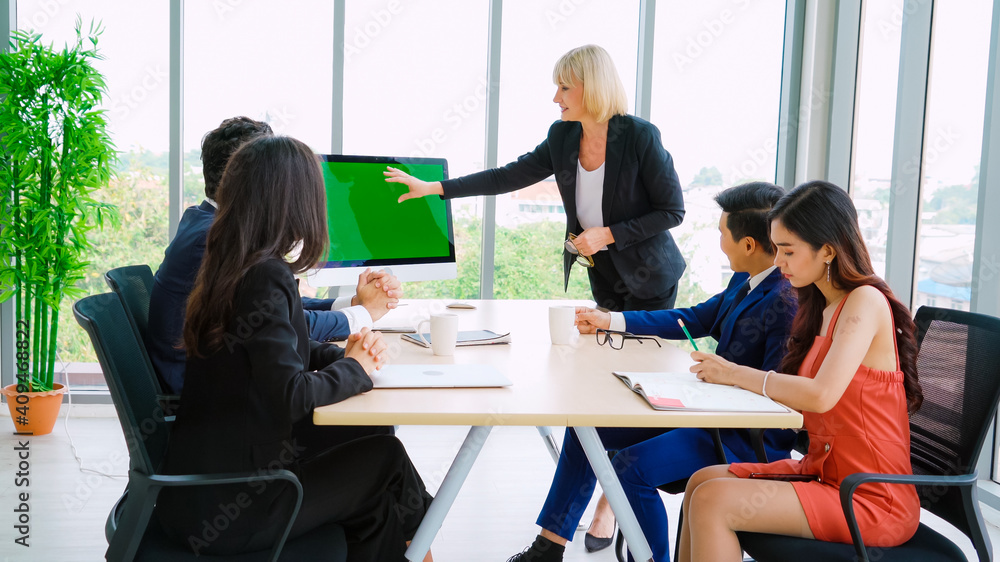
x,y
739,296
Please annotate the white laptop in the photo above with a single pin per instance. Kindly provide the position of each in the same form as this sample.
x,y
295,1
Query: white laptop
x,y
439,376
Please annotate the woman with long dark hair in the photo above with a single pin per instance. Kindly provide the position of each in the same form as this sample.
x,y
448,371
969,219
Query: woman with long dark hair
x,y
253,374
852,364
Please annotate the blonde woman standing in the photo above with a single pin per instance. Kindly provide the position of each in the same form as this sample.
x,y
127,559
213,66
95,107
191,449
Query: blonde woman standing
x,y
617,183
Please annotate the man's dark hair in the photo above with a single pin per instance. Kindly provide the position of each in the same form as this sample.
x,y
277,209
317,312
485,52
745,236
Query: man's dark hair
x,y
219,144
748,205
271,202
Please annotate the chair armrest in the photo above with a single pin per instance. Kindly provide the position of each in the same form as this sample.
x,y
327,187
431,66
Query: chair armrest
x,y
757,442
111,525
143,491
720,452
851,482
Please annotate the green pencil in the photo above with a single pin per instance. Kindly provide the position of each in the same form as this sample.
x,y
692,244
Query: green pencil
x,y
688,334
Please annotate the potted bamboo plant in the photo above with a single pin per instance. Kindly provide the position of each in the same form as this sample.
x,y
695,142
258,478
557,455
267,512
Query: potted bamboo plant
x,y
55,153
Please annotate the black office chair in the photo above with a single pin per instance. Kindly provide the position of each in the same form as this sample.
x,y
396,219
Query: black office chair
x,y
134,286
959,370
678,486
134,394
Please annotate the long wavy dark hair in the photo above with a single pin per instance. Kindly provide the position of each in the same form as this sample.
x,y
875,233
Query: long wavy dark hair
x,y
271,202
821,213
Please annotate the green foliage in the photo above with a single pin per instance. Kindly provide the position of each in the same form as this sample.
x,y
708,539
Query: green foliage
x,y
708,177
56,154
955,204
881,195
140,194
528,265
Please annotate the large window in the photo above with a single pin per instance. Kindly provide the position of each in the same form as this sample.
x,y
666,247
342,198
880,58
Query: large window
x,y
878,71
136,105
254,59
415,84
953,134
716,92
531,222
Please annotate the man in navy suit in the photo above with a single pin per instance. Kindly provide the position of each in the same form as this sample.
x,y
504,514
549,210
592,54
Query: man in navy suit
x,y
751,320
328,319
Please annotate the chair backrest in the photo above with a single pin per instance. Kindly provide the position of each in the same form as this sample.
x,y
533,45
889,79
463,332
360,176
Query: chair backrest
x,y
131,383
959,370
134,286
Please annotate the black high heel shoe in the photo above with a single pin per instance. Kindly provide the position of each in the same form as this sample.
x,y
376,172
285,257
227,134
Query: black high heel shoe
x,y
594,544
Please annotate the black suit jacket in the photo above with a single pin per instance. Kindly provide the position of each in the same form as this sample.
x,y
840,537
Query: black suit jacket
x,y
240,401
174,281
642,196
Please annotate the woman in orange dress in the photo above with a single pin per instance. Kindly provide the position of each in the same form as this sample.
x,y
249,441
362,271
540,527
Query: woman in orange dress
x,y
853,348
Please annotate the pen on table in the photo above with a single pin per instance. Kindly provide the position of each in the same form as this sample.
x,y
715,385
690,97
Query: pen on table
x,y
688,334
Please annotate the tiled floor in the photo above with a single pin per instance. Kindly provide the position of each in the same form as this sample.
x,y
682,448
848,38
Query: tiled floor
x,y
492,518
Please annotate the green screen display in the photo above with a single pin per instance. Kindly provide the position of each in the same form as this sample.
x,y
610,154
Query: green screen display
x,y
368,227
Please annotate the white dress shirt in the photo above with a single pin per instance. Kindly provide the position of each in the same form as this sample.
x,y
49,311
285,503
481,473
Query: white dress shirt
x,y
357,316
590,197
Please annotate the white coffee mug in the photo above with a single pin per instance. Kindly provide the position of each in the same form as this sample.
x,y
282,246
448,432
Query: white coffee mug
x,y
444,332
561,324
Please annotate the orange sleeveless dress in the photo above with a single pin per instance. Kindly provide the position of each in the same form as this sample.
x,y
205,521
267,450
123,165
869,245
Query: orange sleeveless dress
x,y
866,431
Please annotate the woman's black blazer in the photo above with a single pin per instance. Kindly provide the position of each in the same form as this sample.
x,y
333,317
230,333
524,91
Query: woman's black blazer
x,y
642,196
240,402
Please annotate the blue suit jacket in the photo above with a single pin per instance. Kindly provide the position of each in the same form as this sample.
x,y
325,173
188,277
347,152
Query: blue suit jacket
x,y
174,281
753,332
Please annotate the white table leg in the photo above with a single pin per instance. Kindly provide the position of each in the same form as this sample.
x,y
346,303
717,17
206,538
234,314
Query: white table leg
x,y
550,442
629,525
445,497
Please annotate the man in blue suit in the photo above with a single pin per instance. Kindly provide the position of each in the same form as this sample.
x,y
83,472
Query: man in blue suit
x,y
751,320
328,319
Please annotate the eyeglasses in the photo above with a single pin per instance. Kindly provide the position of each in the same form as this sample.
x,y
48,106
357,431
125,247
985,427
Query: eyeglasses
x,y
570,246
616,339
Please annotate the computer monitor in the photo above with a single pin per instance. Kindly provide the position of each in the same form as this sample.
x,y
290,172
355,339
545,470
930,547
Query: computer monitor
x,y
368,228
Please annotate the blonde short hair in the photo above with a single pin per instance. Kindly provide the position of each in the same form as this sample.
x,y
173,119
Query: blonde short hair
x,y
603,93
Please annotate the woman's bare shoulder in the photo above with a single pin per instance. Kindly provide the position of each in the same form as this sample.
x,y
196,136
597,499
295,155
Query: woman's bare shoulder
x,y
866,304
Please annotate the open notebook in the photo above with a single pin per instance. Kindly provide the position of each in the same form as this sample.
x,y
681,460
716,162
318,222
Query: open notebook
x,y
683,391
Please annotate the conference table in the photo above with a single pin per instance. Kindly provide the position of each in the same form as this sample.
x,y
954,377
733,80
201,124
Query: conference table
x,y
553,385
